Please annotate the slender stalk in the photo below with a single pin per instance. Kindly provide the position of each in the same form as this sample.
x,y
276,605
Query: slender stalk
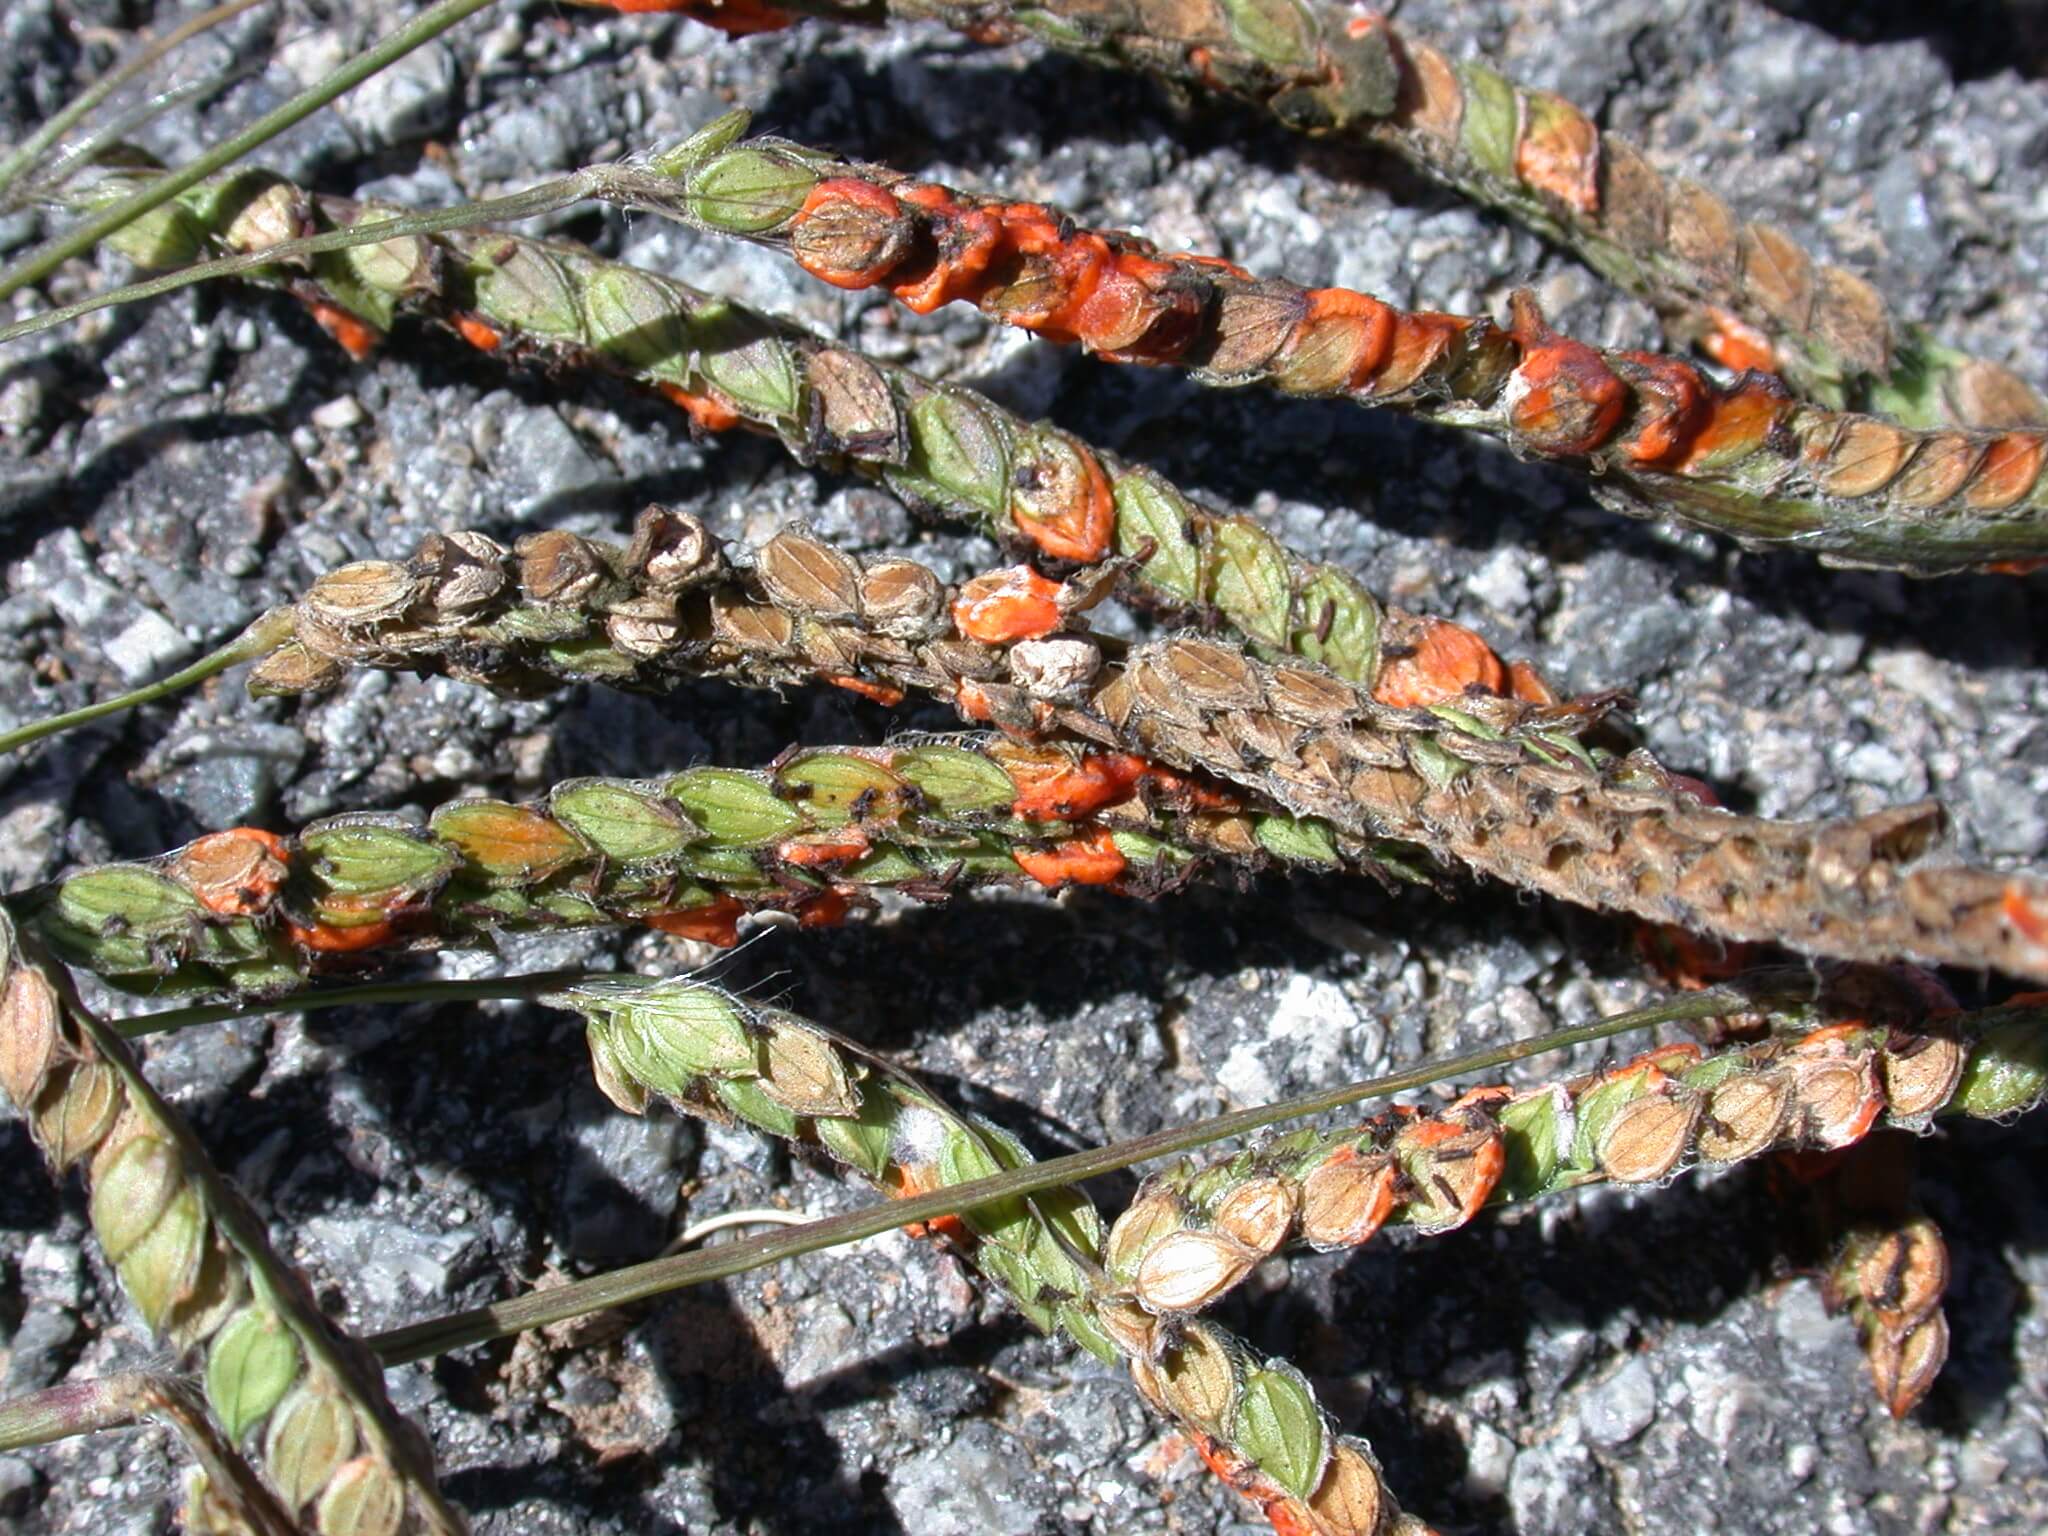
x,y
531,203
279,1377
223,1494
259,639
24,156
537,1309
508,989
45,259
81,1408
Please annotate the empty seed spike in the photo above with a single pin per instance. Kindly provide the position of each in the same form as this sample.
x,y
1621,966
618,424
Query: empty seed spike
x,y
693,854
1487,785
1195,1231
1744,459
1256,1421
560,607
1744,292
282,1385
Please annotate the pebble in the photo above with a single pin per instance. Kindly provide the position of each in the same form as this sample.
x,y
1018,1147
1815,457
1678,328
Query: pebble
x,y
147,646
413,99
17,1487
1621,1407
339,414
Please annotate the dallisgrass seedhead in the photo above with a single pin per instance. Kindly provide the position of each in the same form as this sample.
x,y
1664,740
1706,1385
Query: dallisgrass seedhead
x,y
1324,725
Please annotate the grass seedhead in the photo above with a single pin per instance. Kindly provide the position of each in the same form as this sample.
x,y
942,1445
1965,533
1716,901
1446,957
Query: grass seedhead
x,y
1152,689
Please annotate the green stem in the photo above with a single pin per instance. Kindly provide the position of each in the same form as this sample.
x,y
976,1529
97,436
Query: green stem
x,y
45,259
78,1408
259,639
437,1336
533,202
31,149
495,989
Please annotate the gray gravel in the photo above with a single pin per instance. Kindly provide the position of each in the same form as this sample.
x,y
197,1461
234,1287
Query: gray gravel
x,y
1651,1362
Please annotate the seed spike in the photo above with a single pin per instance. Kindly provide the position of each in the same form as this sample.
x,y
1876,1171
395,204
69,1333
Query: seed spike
x,y
249,911
1497,784
1261,1417
1745,293
195,1261
1632,1124
1744,458
942,446
639,1282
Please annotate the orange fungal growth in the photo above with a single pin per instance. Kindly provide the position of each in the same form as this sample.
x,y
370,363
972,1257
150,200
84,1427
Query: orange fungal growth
x,y
735,18
827,909
1489,1160
906,1181
329,938
236,873
478,333
1004,606
1447,661
1185,793
1737,345
1238,1472
1421,341
972,700
1062,501
1052,787
1739,421
1843,1032
1342,342
714,922
358,338
885,694
1529,685
816,853
707,412
1563,399
1666,1059
1559,152
965,241
2011,465
850,233
1050,273
2024,915
1145,311
1091,858
1674,401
